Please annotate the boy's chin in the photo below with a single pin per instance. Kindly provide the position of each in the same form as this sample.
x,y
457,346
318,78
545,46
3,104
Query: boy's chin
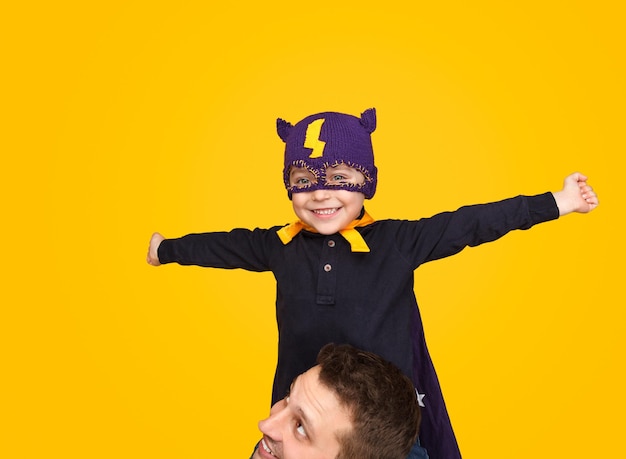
x,y
327,230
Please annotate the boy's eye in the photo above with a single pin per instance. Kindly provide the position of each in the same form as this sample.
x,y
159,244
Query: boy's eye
x,y
338,178
302,181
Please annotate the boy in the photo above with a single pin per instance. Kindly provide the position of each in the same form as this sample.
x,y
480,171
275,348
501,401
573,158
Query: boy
x,y
344,277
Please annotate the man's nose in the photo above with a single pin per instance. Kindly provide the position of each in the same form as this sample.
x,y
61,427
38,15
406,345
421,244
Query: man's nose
x,y
272,426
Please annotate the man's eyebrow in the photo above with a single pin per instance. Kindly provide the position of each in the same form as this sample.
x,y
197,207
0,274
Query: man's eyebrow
x,y
308,426
293,384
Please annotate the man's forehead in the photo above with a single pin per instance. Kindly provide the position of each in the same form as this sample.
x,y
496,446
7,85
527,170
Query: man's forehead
x,y
319,411
307,388
312,398
311,374
300,390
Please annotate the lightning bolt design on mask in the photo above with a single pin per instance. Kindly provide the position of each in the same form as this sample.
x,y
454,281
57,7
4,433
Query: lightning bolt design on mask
x,y
312,139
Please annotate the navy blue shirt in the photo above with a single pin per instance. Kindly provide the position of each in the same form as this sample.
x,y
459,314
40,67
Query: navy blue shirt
x,y
326,293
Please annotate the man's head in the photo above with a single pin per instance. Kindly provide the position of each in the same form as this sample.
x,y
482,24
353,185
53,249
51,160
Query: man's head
x,y
326,140
353,404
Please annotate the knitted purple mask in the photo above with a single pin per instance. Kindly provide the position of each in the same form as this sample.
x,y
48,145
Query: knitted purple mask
x,y
326,140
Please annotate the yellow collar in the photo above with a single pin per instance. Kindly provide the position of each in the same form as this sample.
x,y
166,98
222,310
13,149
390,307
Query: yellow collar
x,y
357,243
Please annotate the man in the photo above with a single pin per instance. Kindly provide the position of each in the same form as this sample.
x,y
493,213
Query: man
x,y
352,404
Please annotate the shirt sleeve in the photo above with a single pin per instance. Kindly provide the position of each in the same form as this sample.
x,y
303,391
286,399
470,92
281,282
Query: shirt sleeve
x,y
448,233
239,248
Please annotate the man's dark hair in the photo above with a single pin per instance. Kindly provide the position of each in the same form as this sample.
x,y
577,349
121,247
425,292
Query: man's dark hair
x,y
380,398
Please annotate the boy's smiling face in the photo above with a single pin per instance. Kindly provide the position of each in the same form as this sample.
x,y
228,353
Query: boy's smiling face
x,y
327,210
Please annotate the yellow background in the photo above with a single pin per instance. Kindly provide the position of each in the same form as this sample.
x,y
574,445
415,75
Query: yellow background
x,y
121,118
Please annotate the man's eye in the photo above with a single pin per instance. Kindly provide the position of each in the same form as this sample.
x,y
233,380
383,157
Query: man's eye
x,y
300,430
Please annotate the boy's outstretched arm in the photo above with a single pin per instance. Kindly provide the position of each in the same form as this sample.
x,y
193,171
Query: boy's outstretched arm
x,y
576,195
153,255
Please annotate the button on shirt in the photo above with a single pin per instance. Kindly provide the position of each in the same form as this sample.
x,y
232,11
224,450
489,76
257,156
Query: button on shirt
x,y
327,280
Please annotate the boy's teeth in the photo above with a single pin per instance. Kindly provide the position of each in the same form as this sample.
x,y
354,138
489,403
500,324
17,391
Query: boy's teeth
x,y
325,211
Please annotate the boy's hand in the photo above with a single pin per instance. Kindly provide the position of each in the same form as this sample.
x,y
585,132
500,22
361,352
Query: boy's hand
x,y
153,255
576,195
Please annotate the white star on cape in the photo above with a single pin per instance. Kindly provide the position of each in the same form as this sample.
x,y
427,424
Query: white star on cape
x,y
420,397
